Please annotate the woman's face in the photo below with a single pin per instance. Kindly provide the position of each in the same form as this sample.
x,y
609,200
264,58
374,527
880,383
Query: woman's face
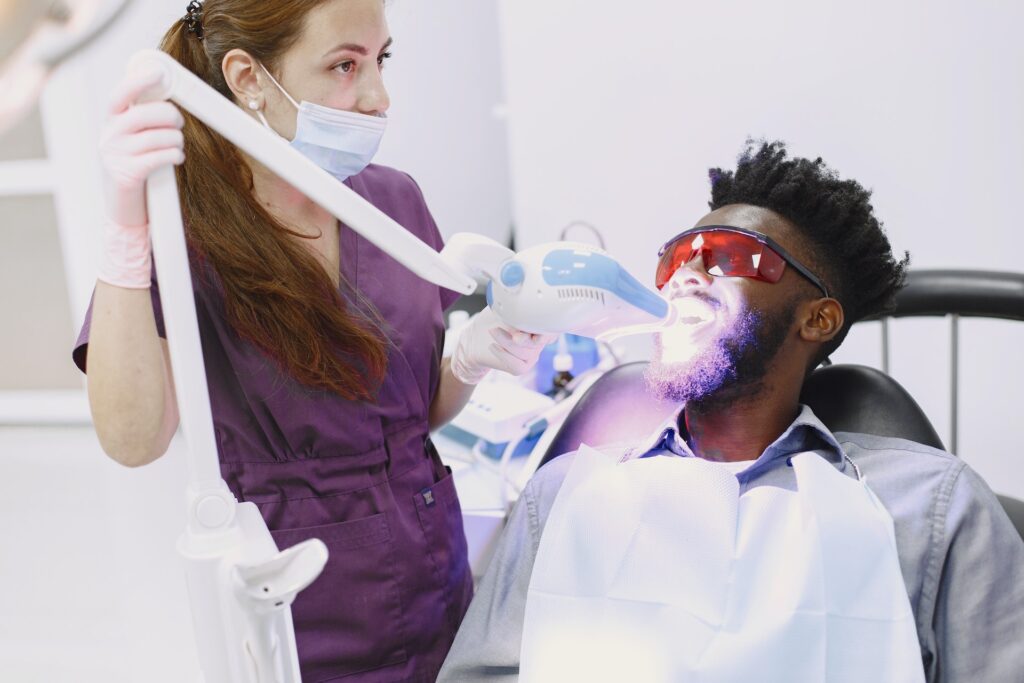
x,y
337,62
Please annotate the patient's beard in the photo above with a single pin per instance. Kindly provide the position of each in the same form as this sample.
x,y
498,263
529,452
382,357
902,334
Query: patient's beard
x,y
733,365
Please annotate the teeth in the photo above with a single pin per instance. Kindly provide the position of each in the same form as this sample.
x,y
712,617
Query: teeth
x,y
692,312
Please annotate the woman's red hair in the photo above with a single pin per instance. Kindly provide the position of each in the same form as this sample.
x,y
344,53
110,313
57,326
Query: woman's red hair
x,y
276,294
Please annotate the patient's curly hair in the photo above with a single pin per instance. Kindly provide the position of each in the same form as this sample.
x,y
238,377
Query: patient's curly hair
x,y
852,255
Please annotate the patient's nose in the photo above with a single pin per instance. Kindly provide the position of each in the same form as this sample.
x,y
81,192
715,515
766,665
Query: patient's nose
x,y
690,275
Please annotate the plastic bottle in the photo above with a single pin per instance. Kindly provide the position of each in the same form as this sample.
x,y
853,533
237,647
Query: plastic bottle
x,y
562,365
584,354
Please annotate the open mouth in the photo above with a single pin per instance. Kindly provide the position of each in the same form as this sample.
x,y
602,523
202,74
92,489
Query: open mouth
x,y
693,311
693,330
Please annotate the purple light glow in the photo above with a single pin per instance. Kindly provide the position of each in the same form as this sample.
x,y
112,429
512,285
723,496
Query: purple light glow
x,y
733,362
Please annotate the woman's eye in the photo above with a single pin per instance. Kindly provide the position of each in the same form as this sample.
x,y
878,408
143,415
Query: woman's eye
x,y
346,66
383,57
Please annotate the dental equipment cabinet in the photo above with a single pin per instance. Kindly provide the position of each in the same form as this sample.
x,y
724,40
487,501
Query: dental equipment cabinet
x,y
240,586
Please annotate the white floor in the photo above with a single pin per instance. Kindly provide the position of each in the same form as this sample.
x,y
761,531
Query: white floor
x,y
93,589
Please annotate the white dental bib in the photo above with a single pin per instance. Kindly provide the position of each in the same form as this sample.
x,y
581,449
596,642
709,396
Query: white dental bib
x,y
658,570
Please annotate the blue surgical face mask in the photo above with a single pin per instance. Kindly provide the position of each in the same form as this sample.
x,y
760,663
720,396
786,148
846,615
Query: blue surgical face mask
x,y
341,142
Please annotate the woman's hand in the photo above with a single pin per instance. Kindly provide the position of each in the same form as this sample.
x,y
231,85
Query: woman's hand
x,y
485,344
136,140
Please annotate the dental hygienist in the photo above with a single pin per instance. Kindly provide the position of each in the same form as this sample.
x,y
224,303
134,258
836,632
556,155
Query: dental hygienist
x,y
323,354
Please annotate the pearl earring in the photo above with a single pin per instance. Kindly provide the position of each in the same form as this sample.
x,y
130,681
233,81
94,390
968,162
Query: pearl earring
x,y
253,105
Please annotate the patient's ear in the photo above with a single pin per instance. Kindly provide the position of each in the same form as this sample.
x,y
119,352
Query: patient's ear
x,y
821,320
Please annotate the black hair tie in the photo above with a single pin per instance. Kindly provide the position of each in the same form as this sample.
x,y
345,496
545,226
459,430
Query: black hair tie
x,y
194,18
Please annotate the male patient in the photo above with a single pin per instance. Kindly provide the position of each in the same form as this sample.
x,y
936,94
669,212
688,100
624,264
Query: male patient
x,y
742,540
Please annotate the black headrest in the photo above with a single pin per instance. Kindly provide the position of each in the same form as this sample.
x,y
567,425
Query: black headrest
x,y
964,292
856,398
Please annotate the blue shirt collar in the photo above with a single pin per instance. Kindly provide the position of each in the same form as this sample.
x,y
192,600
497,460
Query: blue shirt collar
x,y
806,433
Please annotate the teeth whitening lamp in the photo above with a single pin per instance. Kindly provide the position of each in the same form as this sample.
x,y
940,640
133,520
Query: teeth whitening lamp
x,y
561,287
241,586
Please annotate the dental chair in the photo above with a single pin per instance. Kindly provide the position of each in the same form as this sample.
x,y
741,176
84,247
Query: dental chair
x,y
851,398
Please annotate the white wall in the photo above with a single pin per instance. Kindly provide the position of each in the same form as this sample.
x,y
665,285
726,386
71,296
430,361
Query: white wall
x,y
444,127
616,110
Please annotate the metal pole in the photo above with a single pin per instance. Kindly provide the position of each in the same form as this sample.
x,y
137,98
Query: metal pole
x,y
885,345
954,380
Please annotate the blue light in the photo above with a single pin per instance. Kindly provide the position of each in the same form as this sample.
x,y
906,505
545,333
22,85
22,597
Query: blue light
x,y
512,274
563,267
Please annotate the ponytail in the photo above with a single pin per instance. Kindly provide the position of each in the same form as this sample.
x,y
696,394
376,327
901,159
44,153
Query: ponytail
x,y
276,294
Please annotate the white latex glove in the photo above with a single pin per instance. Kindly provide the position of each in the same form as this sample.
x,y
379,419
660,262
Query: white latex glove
x,y
485,344
136,140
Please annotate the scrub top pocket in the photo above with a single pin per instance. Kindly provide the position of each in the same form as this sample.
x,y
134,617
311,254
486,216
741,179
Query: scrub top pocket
x,y
441,520
356,595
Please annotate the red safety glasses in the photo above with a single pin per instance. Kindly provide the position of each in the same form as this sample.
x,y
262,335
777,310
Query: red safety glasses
x,y
729,251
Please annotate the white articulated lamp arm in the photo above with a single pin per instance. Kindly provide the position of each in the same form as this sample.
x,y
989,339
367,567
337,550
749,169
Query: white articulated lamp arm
x,y
182,328
189,92
477,255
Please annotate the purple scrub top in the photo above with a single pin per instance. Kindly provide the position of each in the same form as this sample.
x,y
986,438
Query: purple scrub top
x,y
362,477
